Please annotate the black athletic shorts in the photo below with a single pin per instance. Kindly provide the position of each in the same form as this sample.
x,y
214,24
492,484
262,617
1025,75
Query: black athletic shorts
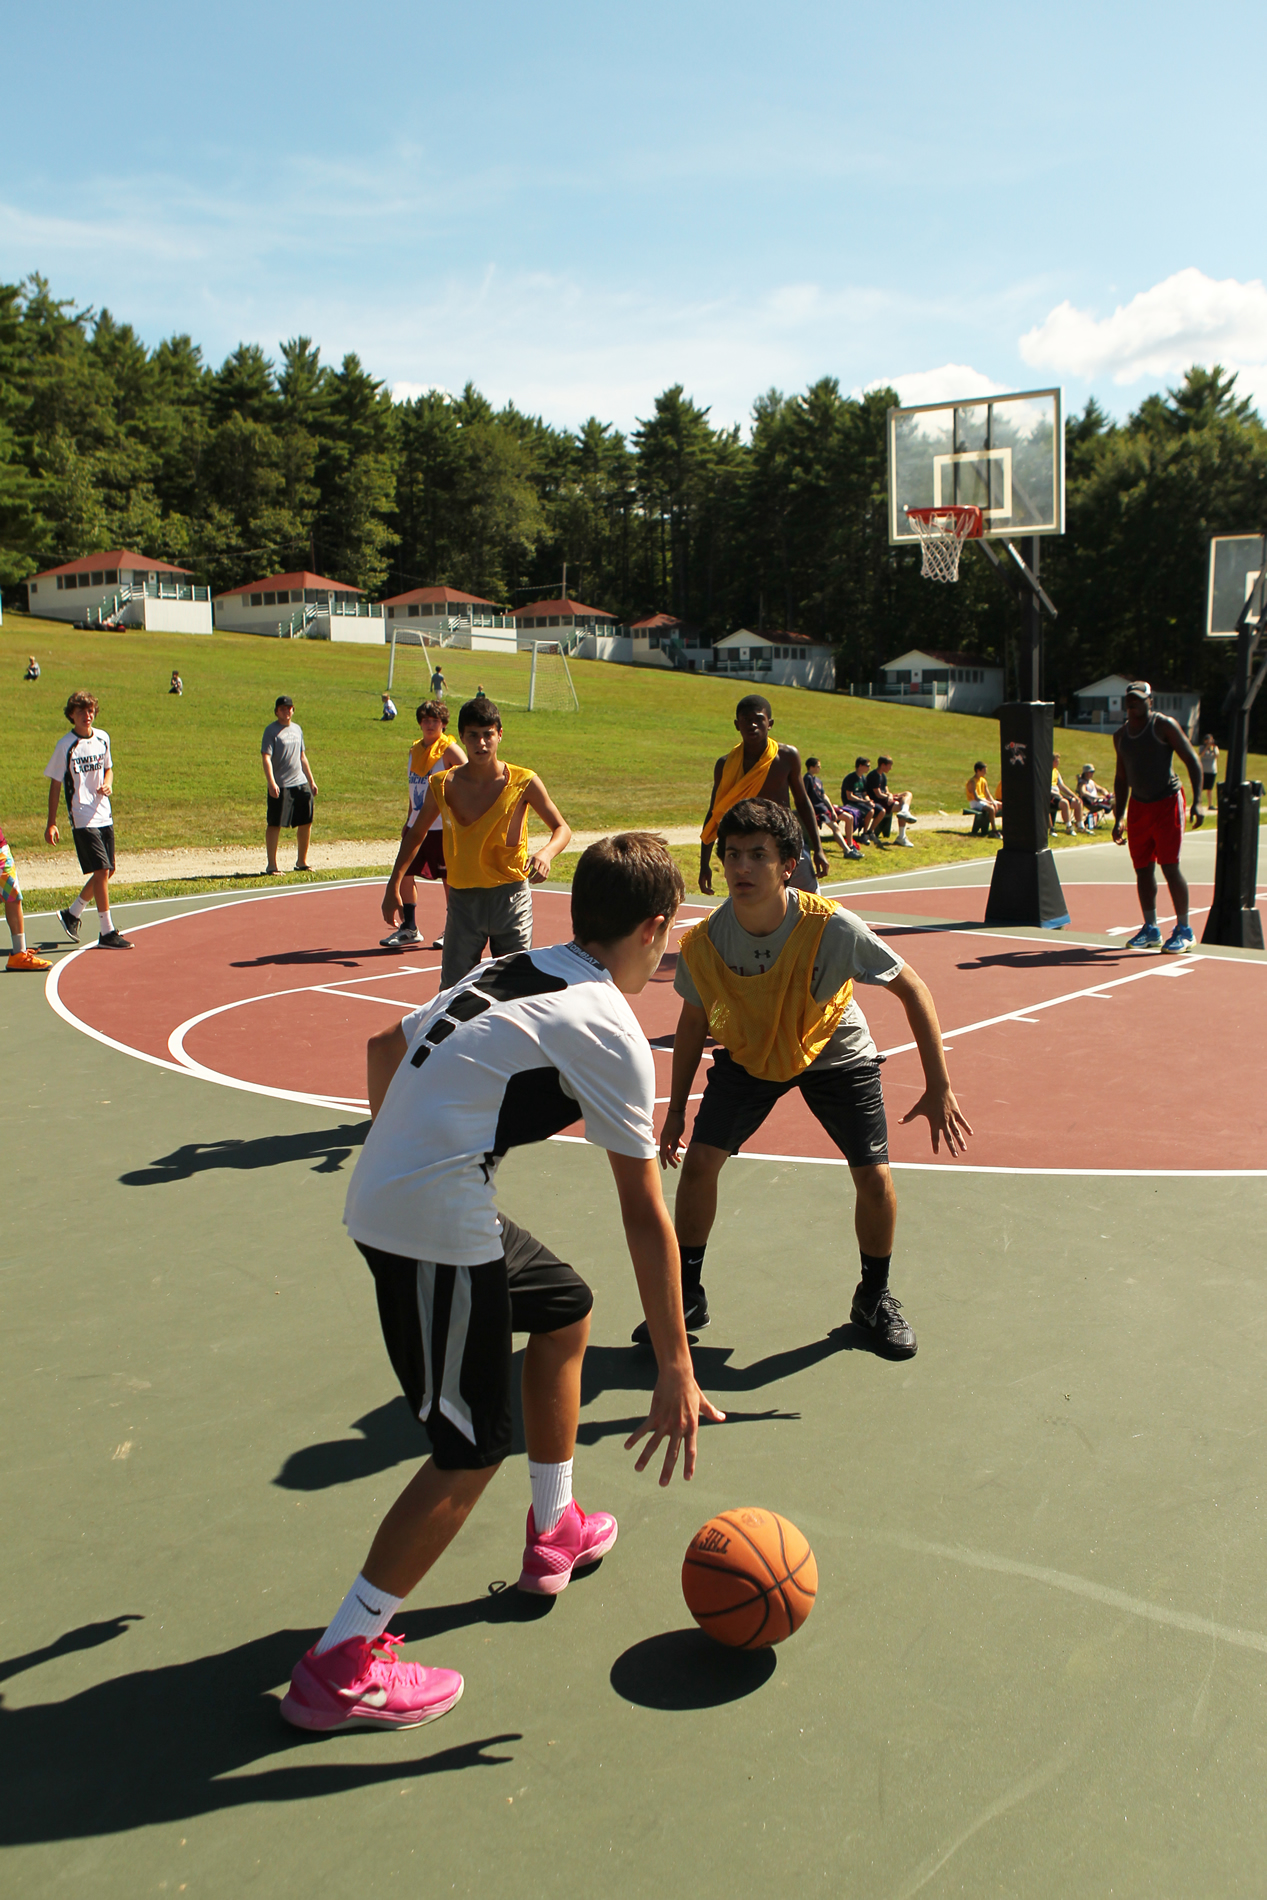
x,y
94,847
448,1333
428,859
291,807
1208,781
848,1102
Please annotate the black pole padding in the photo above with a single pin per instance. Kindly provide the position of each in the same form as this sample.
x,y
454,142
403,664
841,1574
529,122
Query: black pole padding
x,y
1025,884
1234,917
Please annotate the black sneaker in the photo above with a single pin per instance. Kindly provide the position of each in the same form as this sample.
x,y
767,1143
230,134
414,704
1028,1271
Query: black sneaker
x,y
70,924
889,1332
111,940
399,938
695,1315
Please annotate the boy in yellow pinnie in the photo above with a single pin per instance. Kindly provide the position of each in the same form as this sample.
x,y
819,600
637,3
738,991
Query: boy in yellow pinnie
x,y
770,974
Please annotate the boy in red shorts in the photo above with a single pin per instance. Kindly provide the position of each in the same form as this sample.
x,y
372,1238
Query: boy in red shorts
x,y
1145,746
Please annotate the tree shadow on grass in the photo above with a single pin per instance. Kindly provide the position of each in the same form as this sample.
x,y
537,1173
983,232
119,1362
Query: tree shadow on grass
x,y
684,1669
191,1738
326,1148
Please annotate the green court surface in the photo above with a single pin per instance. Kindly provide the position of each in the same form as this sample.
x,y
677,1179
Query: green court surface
x,y
1038,1660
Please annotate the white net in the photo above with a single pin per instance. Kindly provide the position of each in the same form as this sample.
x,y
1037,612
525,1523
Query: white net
x,y
550,687
942,533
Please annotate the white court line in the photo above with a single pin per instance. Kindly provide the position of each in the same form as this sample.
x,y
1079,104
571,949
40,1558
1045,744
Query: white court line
x,y
1024,1013
972,1167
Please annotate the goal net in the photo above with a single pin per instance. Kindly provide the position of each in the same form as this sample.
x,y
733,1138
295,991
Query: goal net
x,y
550,687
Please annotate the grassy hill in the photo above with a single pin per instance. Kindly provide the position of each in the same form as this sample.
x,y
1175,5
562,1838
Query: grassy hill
x,y
640,753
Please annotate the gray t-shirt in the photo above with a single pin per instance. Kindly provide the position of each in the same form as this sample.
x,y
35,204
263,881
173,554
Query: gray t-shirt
x,y
284,744
848,950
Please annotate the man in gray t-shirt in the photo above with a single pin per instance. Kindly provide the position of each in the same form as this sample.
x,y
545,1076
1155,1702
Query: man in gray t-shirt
x,y
744,975
291,786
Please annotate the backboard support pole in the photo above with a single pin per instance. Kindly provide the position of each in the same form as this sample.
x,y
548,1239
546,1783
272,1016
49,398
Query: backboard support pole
x,y
1025,884
1233,918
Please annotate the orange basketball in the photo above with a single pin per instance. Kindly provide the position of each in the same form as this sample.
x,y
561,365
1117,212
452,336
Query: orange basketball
x,y
749,1578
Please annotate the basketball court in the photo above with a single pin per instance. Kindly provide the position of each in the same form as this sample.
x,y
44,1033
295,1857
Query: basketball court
x,y
1039,1651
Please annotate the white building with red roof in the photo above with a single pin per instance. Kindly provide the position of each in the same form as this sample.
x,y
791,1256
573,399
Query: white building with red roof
x,y
118,588
301,606
780,658
548,619
445,616
944,682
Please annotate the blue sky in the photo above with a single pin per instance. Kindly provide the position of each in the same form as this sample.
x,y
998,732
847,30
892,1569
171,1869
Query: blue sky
x,y
574,206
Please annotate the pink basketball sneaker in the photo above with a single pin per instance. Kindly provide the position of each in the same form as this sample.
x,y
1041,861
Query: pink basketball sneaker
x,y
575,1542
352,1687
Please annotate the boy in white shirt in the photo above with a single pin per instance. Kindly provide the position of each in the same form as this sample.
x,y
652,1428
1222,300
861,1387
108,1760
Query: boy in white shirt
x,y
520,1048
81,765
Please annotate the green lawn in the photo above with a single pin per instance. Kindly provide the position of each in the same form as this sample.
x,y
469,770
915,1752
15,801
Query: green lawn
x,y
640,752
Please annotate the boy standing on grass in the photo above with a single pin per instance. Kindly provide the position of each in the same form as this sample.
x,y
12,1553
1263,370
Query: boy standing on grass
x,y
771,975
82,765
292,789
433,752
20,958
527,1045
483,807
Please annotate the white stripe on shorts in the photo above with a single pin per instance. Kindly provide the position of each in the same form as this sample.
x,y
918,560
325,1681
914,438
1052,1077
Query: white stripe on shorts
x,y
452,1404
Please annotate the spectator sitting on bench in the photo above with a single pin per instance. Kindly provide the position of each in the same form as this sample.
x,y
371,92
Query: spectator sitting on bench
x,y
830,817
1063,801
857,801
892,804
985,810
1094,801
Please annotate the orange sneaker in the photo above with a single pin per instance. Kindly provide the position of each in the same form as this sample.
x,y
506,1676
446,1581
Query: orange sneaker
x,y
27,960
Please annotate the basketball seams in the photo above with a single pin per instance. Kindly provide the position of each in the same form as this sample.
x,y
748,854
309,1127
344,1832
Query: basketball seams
x,y
752,1577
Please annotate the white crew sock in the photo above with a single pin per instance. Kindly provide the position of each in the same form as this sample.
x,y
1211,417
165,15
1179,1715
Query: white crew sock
x,y
77,907
364,1611
19,938
105,923
551,1494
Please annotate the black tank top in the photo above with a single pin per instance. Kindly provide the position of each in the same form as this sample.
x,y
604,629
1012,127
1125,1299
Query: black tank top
x,y
1148,761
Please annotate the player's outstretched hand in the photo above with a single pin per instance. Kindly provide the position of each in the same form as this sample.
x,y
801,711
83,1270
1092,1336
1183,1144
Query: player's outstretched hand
x,y
671,1138
677,1405
945,1117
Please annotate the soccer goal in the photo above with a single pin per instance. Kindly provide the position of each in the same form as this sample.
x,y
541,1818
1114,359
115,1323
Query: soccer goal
x,y
550,687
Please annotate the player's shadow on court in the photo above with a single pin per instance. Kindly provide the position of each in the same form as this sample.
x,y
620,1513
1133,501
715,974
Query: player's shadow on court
x,y
390,1435
347,959
159,1745
1076,955
625,1369
326,1148
684,1669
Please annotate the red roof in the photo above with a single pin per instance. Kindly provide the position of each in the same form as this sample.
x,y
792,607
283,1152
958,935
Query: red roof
x,y
538,609
110,557
273,581
432,595
657,620
954,659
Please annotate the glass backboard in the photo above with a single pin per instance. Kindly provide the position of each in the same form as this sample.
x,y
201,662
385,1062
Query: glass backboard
x,y
1236,562
1002,454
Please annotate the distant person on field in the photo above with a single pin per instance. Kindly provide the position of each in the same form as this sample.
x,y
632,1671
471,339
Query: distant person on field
x,y
759,767
32,669
438,687
435,751
1063,800
1209,757
1145,745
292,789
389,706
856,799
20,958
81,763
892,804
178,685
1094,801
484,807
977,796
829,819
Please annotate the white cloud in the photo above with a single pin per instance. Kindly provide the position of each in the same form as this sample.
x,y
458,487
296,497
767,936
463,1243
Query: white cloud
x,y
408,392
1188,318
951,383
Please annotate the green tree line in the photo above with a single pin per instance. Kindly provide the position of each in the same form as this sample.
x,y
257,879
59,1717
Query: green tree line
x,y
272,463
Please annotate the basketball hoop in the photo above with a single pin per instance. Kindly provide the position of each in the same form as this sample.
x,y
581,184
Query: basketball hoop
x,y
942,533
